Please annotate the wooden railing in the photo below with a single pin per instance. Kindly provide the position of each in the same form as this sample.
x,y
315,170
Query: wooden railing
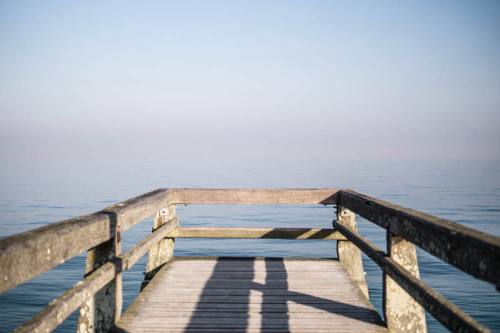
x,y
99,297
472,251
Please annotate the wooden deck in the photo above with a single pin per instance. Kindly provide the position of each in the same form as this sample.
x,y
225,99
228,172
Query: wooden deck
x,y
251,295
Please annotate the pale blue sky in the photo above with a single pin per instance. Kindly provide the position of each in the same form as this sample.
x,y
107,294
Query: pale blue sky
x,y
254,79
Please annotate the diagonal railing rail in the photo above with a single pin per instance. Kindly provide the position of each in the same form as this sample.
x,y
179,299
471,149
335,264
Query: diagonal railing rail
x,y
29,254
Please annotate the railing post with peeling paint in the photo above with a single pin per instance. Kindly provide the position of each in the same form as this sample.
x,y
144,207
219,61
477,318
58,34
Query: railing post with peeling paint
x,y
349,254
160,254
99,294
102,310
402,313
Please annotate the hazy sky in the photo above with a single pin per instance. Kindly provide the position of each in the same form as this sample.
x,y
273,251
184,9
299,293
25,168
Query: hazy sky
x,y
253,79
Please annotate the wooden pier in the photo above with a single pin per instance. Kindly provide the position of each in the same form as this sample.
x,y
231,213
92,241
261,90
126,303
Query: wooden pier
x,y
251,295
185,294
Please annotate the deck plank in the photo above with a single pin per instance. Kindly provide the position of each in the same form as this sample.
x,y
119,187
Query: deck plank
x,y
251,295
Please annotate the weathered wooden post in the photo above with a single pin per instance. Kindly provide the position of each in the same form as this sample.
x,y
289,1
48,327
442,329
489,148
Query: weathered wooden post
x,y
349,254
402,313
102,310
161,253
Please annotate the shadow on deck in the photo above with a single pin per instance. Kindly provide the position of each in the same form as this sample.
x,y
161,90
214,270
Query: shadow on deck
x,y
251,295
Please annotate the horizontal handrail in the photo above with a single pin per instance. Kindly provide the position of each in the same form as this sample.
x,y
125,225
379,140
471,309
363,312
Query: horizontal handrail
x,y
472,251
443,310
59,309
255,196
256,233
26,255
141,248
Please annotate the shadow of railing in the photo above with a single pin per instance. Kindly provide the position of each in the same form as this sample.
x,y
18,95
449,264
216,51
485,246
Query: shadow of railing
x,y
226,281
274,310
228,294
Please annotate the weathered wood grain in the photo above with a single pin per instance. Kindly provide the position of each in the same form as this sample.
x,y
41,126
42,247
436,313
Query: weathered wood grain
x,y
59,309
271,233
178,299
349,255
254,196
472,251
132,211
402,313
251,294
28,254
439,307
141,248
102,309
163,251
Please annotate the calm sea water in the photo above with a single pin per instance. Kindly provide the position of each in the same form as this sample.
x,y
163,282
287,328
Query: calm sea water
x,y
464,191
